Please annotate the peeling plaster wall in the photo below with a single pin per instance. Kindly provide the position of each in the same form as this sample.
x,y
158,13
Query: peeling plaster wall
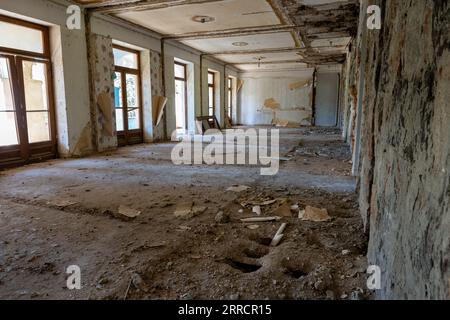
x,y
405,148
156,73
295,105
102,67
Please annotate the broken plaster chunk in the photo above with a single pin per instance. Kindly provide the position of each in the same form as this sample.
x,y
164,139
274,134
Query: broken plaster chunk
x,y
278,236
238,188
252,226
129,212
183,210
316,214
261,219
257,210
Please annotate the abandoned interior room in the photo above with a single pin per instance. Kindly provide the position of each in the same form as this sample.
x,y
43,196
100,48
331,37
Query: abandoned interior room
x,y
128,130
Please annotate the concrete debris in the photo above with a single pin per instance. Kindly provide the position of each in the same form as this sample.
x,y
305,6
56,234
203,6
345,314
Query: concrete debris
x,y
315,214
284,210
252,226
183,210
261,219
129,212
301,214
345,252
222,217
257,210
278,236
238,188
189,210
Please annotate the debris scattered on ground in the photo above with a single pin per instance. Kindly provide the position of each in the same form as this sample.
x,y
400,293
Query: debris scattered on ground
x,y
261,219
238,188
183,210
278,236
252,226
257,210
316,214
222,217
62,203
345,252
284,210
189,210
129,212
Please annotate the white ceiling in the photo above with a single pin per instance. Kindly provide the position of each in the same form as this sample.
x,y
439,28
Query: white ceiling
x,y
235,21
255,42
253,57
228,14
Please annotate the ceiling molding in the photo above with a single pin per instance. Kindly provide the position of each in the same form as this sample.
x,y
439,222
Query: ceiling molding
x,y
269,62
142,5
258,51
231,32
284,17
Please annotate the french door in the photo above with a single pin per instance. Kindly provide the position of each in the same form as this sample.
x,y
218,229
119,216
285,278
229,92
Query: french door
x,y
127,91
26,111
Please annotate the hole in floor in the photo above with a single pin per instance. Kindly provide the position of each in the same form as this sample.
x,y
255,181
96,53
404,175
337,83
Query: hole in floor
x,y
243,267
297,274
255,253
261,240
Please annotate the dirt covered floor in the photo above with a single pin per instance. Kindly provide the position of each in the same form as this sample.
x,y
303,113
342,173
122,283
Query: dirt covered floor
x,y
66,212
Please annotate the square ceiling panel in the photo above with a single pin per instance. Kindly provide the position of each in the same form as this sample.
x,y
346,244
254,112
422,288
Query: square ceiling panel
x,y
226,14
253,42
266,57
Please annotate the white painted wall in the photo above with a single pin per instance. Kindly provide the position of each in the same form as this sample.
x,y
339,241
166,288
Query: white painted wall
x,y
260,86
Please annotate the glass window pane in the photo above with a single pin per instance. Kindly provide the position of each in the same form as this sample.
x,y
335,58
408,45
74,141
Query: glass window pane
x,y
21,38
6,99
125,59
8,129
210,78
180,104
133,102
38,126
35,85
179,71
118,101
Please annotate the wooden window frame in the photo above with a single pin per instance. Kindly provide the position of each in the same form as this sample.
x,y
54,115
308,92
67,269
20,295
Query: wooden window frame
x,y
184,65
25,152
213,86
134,136
230,97
45,38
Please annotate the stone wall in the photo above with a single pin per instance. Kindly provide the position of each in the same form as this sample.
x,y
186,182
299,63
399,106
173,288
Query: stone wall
x,y
101,60
405,148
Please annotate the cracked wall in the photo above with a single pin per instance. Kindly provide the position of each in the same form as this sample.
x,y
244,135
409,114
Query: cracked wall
x,y
405,148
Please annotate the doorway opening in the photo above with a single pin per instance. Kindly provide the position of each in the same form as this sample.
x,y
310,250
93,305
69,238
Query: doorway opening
x,y
127,96
27,119
181,102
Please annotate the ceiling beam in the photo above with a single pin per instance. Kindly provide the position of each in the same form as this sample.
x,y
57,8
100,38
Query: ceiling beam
x,y
274,50
103,3
270,62
284,17
141,5
231,32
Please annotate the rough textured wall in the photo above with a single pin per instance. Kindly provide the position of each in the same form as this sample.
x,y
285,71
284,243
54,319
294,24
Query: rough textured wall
x,y
102,67
350,80
156,73
405,155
